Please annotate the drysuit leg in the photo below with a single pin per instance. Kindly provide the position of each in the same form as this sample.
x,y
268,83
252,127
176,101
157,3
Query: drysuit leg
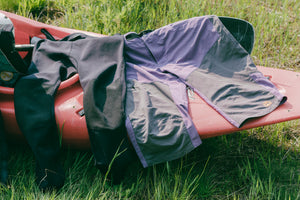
x,y
35,115
3,154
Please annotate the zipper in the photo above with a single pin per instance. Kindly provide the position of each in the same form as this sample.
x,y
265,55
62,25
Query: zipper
x,y
190,92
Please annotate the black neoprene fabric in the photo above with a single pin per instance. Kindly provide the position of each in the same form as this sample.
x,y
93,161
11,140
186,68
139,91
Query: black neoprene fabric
x,y
99,63
3,153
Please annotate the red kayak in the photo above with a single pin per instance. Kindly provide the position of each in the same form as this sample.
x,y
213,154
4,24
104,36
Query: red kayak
x,y
69,98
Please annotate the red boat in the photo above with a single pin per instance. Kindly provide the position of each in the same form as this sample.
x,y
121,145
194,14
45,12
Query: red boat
x,y
69,98
68,101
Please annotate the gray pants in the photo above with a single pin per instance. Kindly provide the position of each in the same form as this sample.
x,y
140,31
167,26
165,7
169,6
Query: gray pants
x,y
99,63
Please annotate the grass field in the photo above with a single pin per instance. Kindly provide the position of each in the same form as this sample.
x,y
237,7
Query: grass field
x,y
262,163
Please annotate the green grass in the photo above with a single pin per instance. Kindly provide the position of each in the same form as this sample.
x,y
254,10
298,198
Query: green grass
x,y
262,163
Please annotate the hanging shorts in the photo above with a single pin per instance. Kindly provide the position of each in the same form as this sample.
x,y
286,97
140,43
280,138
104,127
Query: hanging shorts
x,y
199,54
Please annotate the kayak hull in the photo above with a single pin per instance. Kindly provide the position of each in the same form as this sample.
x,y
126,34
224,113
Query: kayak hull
x,y
69,98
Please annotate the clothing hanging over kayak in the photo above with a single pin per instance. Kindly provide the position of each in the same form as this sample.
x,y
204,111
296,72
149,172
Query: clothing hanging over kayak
x,y
100,65
198,54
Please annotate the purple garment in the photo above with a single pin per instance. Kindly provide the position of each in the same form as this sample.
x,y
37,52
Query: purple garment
x,y
198,53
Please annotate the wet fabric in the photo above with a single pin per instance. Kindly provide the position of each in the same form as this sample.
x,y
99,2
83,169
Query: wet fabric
x,y
100,65
199,54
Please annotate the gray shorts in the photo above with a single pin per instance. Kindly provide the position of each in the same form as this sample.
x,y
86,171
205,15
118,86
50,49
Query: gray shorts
x,y
199,54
